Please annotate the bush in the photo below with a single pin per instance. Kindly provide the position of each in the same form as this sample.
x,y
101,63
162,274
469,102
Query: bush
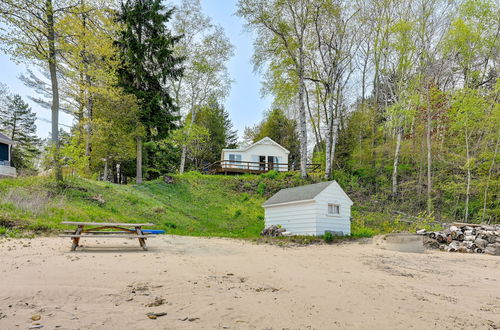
x,y
272,174
362,232
328,237
261,189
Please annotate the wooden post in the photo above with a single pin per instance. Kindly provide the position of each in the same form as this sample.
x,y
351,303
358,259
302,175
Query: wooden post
x,y
142,241
76,240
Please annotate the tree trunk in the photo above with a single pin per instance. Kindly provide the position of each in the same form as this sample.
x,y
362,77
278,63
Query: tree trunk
x,y
328,152
55,88
88,127
329,135
139,161
488,180
429,153
335,130
183,159
467,190
105,175
395,164
184,146
302,118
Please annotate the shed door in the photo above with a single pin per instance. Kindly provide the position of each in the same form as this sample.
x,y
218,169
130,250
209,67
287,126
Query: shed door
x,y
4,152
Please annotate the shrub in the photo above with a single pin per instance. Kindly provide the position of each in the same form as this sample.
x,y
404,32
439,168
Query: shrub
x,y
328,237
261,188
362,232
272,174
237,213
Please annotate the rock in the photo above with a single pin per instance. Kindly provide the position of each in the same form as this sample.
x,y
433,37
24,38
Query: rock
x,y
156,315
36,317
493,249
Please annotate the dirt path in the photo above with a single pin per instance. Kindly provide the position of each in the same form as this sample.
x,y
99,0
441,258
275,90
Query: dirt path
x,y
228,284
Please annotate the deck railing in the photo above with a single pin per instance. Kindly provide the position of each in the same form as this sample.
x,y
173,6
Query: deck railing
x,y
245,166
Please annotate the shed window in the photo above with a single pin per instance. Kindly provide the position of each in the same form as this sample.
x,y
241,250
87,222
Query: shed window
x,y
333,209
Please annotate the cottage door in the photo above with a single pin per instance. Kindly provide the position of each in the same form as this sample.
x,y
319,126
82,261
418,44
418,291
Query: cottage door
x,y
270,162
262,163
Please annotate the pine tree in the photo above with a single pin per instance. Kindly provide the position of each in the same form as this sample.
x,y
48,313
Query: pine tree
x,y
222,135
146,47
18,121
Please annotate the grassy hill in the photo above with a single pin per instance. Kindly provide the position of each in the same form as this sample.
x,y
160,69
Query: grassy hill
x,y
195,204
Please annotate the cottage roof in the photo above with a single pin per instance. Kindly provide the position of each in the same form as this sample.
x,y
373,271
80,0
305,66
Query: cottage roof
x,y
296,194
266,140
5,139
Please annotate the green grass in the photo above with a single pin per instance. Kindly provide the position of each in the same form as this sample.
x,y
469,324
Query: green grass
x,y
196,205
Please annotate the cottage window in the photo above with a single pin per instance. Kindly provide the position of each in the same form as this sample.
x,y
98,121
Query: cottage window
x,y
333,209
235,157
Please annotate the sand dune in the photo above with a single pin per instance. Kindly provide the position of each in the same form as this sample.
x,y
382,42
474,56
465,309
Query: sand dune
x,y
230,284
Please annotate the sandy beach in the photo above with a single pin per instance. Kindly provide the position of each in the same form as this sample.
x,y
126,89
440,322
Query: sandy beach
x,y
203,283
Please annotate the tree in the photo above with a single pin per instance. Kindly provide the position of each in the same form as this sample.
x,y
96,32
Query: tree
x,y
281,27
206,50
194,138
18,121
148,61
90,63
330,58
33,36
215,119
115,128
280,129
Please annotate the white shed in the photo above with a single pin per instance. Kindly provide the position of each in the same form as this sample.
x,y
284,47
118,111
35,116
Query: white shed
x,y
262,156
310,210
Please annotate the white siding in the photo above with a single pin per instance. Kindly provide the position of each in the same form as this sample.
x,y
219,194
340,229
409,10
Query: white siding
x,y
333,194
260,149
7,171
297,218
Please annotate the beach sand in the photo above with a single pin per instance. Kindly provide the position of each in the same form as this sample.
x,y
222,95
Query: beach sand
x,y
212,283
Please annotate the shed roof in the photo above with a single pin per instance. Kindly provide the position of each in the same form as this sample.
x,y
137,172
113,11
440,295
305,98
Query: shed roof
x,y
296,194
5,139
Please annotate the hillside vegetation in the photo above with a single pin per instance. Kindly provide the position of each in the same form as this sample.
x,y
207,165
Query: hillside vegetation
x,y
195,204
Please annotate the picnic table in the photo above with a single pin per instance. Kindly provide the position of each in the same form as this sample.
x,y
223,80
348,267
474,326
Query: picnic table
x,y
101,229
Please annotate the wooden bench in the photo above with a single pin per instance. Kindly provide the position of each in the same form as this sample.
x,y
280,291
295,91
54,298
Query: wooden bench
x,y
98,230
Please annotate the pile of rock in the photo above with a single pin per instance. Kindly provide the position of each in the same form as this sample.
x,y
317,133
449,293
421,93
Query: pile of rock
x,y
275,231
465,238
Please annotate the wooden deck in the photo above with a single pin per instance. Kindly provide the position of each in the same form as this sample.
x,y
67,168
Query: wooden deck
x,y
243,167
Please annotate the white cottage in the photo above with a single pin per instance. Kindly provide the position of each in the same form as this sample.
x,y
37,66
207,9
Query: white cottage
x,y
310,210
262,156
5,157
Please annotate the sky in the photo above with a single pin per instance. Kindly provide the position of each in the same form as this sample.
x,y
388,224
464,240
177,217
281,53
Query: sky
x,y
244,104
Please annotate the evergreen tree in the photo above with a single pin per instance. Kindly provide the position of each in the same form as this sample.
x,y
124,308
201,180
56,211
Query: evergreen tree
x,y
147,53
18,121
146,49
215,119
281,130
